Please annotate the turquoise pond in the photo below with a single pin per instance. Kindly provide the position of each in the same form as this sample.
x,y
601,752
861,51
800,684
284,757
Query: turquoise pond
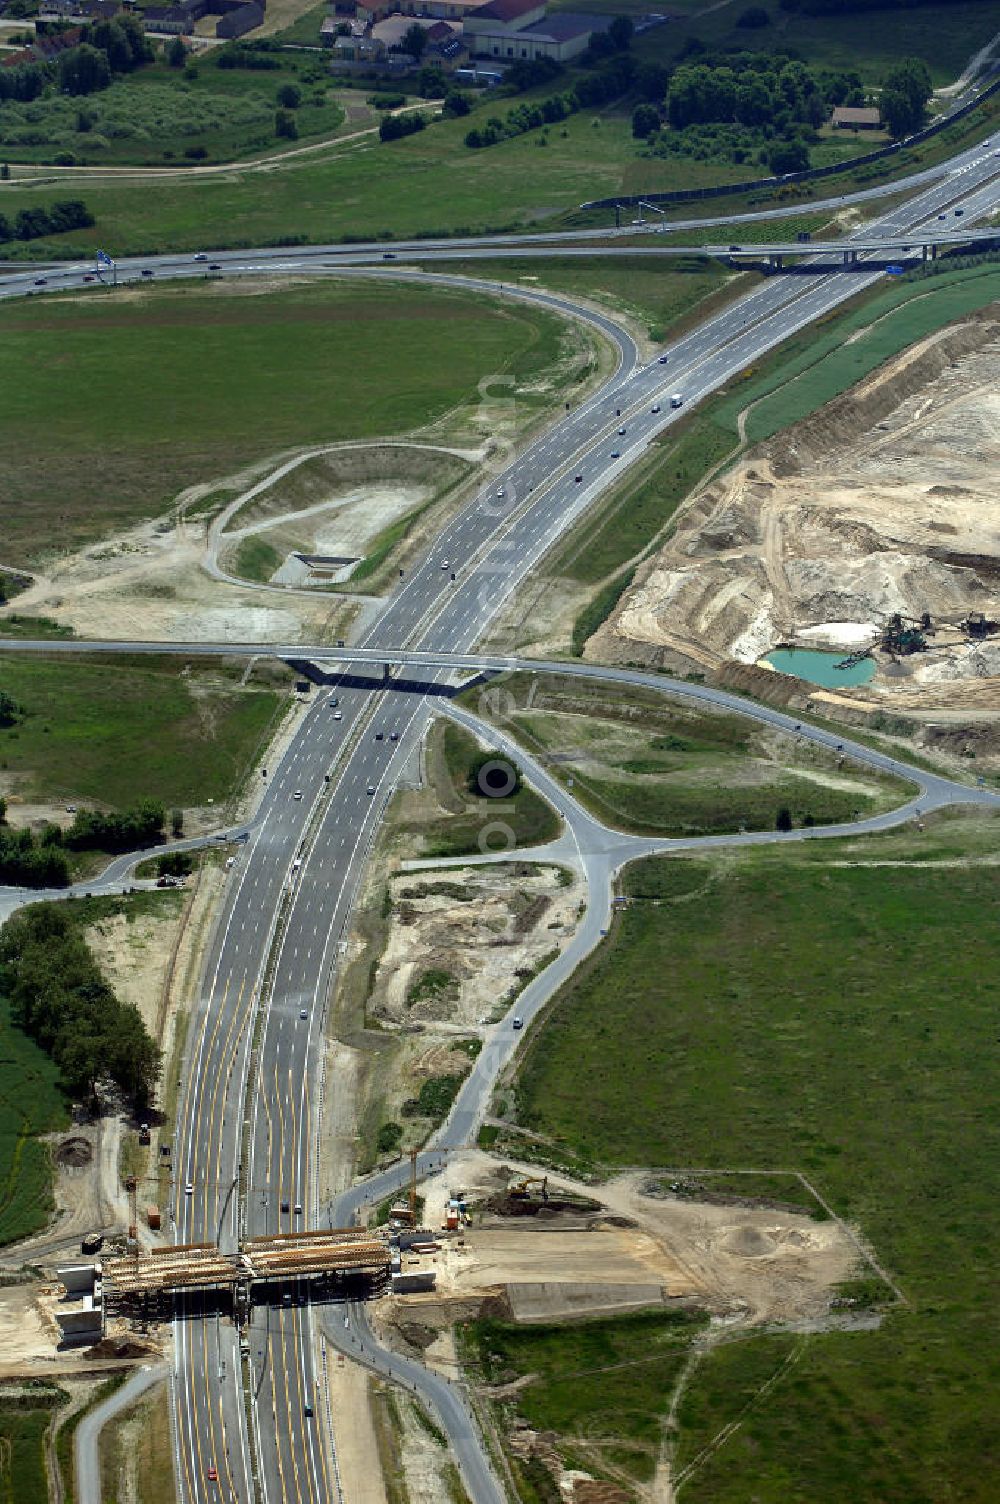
x,y
820,668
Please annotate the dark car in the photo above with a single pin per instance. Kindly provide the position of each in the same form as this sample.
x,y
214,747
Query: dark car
x,y
146,272
388,255
40,281
214,266
578,478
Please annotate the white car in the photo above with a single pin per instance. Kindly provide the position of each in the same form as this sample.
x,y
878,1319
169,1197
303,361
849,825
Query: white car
x,y
655,407
371,789
303,1013
676,400
189,1189
297,794
338,715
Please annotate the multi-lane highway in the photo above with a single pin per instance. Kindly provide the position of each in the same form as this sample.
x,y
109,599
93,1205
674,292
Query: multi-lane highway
x,y
489,547
979,162
249,1114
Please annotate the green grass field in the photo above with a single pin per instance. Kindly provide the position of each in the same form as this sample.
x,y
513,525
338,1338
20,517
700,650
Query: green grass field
x,y
426,184
431,183
113,403
31,1103
666,768
817,1010
603,1387
117,733
25,1417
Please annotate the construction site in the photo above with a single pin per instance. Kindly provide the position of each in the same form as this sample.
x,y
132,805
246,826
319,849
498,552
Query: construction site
x,y
866,529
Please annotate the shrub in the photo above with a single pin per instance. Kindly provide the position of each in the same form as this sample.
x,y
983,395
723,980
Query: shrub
x,y
393,127
645,120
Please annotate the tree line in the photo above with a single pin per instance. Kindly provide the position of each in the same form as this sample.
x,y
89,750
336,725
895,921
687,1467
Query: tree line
x,y
31,224
105,50
60,999
602,86
40,860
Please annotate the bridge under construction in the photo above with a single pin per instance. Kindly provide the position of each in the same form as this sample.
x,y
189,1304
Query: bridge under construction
x,y
146,1275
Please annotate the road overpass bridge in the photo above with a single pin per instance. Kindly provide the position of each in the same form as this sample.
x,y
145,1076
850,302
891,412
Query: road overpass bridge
x,y
143,1278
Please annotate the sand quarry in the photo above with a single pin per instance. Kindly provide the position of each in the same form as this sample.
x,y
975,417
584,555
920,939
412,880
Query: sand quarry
x,y
882,502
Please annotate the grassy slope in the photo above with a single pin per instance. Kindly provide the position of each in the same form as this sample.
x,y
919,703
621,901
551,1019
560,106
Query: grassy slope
x,y
528,818
199,380
116,734
898,317
255,559
656,295
838,1019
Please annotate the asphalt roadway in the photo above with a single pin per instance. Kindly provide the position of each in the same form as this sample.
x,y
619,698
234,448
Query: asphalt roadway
x,y
251,1107
20,281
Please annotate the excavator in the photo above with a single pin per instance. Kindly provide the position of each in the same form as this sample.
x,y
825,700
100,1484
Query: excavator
x,y
519,1189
